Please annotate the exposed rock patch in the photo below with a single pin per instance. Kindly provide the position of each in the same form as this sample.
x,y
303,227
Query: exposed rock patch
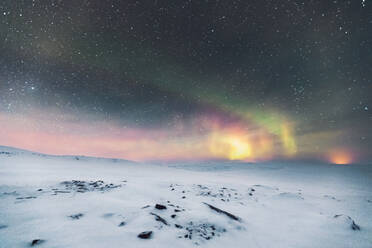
x,y
160,207
231,216
36,242
76,216
84,186
145,235
348,220
161,219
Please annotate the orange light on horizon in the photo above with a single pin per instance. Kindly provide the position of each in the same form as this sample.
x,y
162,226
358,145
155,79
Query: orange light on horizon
x,y
341,157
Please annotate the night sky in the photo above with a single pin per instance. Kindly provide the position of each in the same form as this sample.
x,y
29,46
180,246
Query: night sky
x,y
188,80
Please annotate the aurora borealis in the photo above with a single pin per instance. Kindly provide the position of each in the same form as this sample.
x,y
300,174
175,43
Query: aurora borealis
x,y
188,80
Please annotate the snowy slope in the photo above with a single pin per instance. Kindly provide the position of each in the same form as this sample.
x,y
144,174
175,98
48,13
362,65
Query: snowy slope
x,y
89,202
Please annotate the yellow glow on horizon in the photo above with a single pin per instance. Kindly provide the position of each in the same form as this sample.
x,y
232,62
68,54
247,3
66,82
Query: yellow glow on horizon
x,y
230,146
239,149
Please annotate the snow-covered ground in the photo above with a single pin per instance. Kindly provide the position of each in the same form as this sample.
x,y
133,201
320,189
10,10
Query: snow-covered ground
x,y
53,201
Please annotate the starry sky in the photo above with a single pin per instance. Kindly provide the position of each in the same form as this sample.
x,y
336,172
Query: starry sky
x,y
183,80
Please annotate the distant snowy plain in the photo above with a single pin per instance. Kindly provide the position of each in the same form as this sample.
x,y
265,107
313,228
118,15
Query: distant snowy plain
x,y
67,201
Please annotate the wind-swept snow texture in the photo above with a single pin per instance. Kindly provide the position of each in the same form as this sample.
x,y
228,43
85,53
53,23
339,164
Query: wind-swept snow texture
x,y
55,202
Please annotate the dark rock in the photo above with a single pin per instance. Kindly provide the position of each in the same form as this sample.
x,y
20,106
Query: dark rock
x,y
145,235
26,197
177,210
76,216
178,226
3,226
231,216
173,216
160,207
147,206
183,197
37,242
353,225
40,190
123,223
162,220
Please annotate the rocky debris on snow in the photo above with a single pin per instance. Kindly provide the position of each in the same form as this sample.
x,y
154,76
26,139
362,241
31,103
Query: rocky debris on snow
x,y
158,218
26,198
145,235
349,220
224,194
37,242
176,208
331,197
178,226
231,216
84,186
201,231
160,207
251,190
198,231
76,216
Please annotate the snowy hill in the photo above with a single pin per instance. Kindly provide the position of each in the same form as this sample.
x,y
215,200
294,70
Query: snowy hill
x,y
8,150
73,201
16,151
